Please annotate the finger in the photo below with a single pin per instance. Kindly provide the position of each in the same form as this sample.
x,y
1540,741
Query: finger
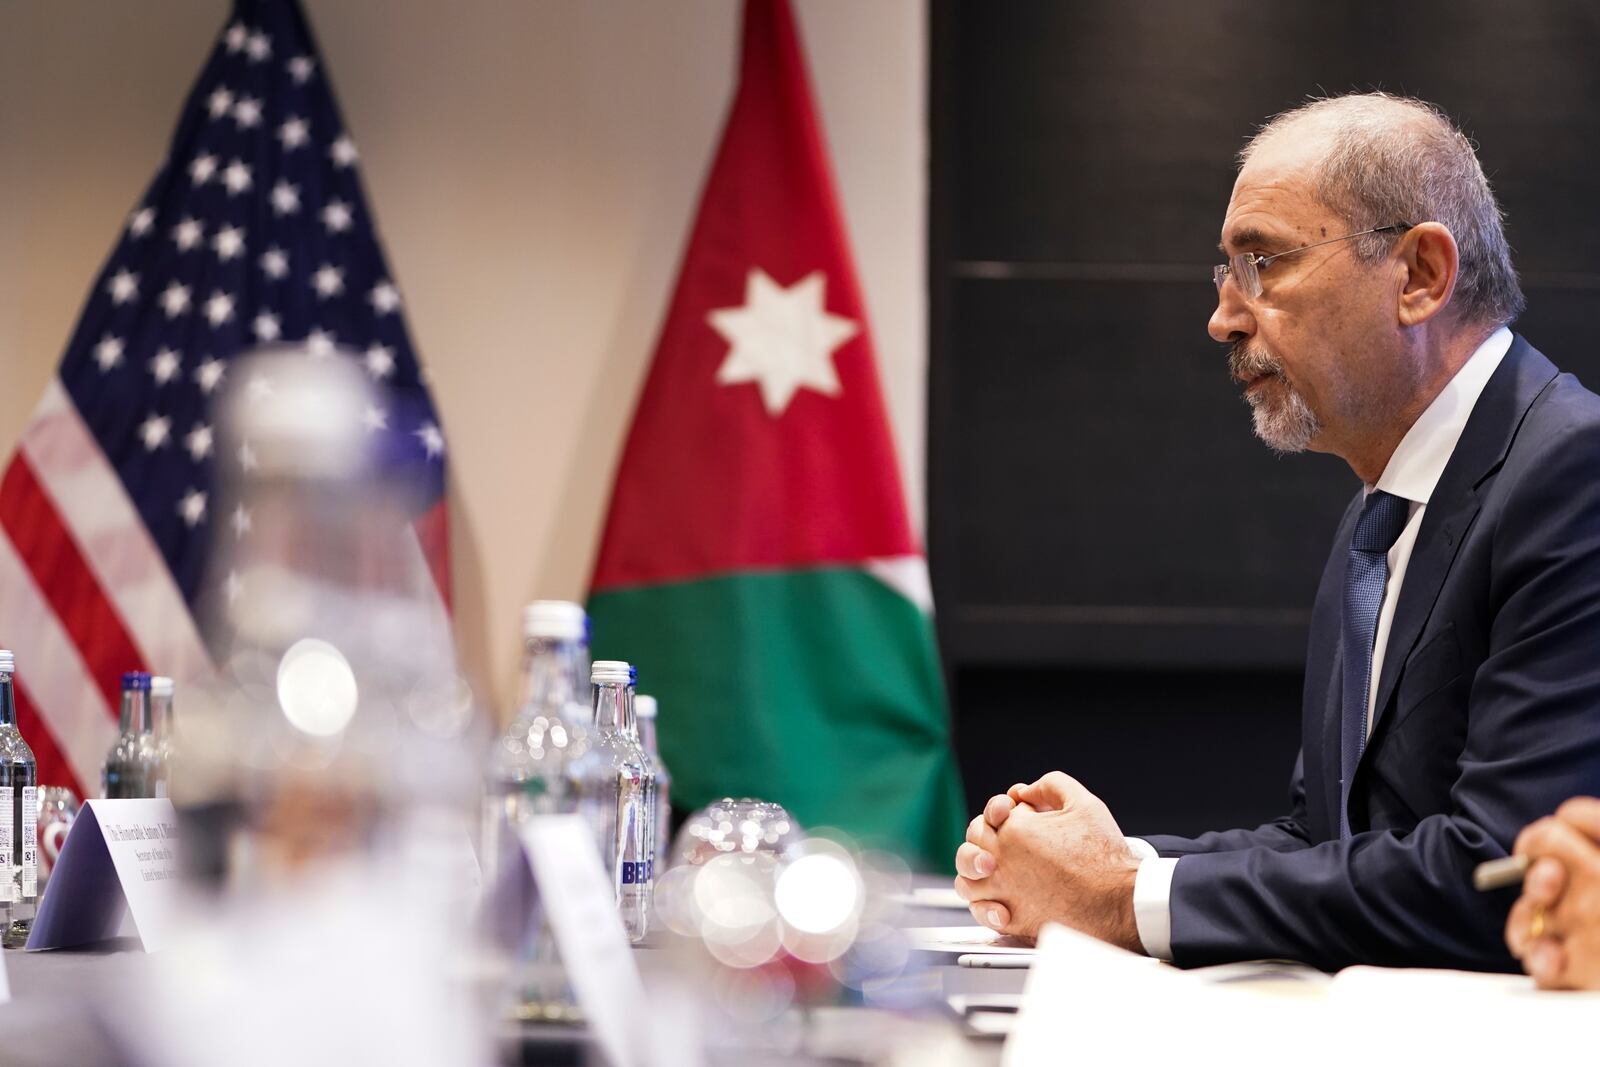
x,y
997,810
1547,963
981,834
1583,814
1545,881
1552,837
966,889
1014,790
1518,923
973,862
1054,792
991,913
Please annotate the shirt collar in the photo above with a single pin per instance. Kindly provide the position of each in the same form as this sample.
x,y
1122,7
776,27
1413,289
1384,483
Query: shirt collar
x,y
1419,460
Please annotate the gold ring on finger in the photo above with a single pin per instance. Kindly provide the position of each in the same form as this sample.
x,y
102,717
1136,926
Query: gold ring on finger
x,y
1536,924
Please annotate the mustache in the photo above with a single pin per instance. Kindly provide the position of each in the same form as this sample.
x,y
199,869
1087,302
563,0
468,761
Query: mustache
x,y
1246,363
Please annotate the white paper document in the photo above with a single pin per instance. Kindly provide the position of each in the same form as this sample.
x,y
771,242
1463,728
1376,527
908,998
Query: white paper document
x,y
120,860
963,939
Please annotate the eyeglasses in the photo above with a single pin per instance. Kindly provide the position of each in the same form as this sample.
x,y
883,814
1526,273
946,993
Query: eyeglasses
x,y
1246,266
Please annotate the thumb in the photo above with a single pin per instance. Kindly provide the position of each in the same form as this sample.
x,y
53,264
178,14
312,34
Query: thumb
x,y
1053,792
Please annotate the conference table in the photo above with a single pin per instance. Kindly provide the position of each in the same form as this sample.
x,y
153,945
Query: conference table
x,y
50,1020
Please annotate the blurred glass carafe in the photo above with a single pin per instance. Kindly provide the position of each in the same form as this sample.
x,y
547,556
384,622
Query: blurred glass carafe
x,y
19,815
335,714
155,753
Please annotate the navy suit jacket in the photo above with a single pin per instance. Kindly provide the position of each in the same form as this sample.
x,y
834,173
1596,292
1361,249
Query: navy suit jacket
x,y
1487,713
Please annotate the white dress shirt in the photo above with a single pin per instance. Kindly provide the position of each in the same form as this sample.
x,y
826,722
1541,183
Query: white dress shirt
x,y
1412,473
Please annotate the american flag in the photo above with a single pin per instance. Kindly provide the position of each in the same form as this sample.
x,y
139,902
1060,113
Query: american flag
x,y
254,230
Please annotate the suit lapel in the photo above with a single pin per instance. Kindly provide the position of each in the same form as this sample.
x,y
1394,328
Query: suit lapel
x,y
1505,400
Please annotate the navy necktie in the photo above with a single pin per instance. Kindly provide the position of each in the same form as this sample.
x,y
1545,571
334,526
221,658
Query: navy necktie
x,y
1367,569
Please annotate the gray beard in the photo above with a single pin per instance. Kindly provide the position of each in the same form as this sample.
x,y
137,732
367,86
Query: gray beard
x,y
1285,426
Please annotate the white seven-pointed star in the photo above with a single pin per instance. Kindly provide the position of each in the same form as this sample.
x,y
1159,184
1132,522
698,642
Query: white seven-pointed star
x,y
300,68
236,177
285,198
108,353
219,102
219,309
140,222
782,339
174,299
199,441
153,432
123,286
342,151
266,326
201,168
385,298
228,243
432,440
275,262
188,233
327,280
165,366
380,361
209,374
192,507
247,112
336,216
294,133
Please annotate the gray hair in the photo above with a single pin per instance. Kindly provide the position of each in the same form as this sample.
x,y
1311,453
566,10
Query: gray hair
x,y
1387,159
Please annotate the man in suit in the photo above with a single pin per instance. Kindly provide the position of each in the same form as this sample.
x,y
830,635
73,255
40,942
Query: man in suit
x,y
1452,687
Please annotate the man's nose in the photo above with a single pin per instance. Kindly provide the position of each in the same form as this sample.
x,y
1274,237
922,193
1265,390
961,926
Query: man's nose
x,y
1231,321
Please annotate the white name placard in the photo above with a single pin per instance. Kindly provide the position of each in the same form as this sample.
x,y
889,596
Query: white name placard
x,y
120,859
581,903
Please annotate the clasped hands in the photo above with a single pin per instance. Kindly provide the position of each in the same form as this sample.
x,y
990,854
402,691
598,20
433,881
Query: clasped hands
x,y
1049,852
1554,927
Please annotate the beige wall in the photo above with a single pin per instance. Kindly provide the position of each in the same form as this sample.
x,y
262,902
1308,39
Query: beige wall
x,y
533,166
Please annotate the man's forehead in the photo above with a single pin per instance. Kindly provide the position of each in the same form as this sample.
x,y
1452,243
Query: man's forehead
x,y
1272,197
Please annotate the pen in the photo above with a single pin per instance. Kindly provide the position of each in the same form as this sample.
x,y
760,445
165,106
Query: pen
x,y
1007,962
1500,873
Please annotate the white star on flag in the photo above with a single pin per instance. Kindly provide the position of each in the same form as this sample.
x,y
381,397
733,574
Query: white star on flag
x,y
336,216
236,177
432,440
140,222
374,419
219,103
228,243
327,280
219,309
123,286
201,168
236,36
266,326
153,431
285,198
209,374
343,151
164,366
275,262
782,339
199,441
259,47
380,361
320,342
294,133
174,299
300,68
108,353
188,233
192,507
385,298
247,112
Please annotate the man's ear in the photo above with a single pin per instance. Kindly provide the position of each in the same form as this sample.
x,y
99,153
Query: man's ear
x,y
1429,262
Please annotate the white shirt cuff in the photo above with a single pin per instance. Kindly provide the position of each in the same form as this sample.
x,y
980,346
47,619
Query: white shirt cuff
x,y
1141,848
1152,902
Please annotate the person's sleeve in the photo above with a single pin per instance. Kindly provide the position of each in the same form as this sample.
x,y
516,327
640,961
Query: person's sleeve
x,y
1287,833
1531,740
1152,911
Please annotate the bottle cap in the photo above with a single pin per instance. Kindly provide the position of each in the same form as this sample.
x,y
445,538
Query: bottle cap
x,y
613,671
644,706
161,685
557,620
135,680
8,662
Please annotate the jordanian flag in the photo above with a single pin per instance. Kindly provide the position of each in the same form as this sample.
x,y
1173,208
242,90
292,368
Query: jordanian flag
x,y
757,562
